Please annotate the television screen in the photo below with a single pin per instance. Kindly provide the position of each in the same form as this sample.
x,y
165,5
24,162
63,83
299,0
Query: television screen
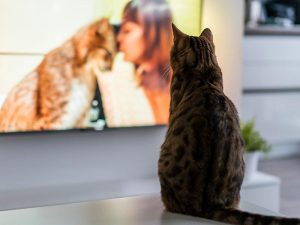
x,y
88,64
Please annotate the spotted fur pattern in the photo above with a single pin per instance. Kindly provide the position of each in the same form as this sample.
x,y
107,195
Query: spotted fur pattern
x,y
58,93
201,165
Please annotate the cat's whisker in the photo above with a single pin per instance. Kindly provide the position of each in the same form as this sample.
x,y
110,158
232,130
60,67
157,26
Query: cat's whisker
x,y
166,72
165,75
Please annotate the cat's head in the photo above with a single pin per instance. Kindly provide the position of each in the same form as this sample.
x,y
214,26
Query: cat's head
x,y
98,35
192,53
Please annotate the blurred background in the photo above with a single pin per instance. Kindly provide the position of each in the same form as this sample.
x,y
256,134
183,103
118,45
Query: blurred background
x,y
271,88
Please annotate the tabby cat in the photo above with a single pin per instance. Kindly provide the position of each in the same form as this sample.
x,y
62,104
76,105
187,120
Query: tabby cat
x,y
201,165
59,92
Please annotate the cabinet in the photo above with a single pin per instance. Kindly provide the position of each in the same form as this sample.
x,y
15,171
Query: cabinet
x,y
263,190
271,86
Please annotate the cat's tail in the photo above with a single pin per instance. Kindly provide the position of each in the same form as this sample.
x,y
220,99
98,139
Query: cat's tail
x,y
237,217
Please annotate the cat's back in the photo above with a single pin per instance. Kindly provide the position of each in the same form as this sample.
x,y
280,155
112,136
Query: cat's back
x,y
218,112
206,103
19,109
204,119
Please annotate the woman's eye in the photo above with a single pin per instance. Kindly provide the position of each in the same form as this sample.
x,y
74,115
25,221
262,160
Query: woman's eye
x,y
125,31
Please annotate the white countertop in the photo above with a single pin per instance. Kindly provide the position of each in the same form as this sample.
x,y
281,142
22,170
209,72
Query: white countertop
x,y
143,210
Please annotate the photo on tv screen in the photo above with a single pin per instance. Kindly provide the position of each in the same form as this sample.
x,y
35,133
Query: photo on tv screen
x,y
88,64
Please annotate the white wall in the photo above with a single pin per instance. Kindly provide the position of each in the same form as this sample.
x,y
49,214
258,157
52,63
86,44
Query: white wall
x,y
39,169
276,112
225,19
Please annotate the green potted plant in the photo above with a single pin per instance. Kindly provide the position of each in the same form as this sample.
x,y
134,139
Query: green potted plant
x,y
254,146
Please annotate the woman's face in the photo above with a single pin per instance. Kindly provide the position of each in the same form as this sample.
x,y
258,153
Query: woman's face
x,y
132,42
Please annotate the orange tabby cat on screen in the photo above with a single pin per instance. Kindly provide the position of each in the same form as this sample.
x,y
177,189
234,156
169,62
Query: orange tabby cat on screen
x,y
59,92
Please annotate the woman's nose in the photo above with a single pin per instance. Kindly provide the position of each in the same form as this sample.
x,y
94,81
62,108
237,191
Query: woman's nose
x,y
118,43
119,37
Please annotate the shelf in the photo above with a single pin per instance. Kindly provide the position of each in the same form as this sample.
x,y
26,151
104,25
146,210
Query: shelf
x,y
278,90
273,30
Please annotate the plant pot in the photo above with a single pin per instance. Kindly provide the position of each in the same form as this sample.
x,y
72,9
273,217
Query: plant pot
x,y
251,163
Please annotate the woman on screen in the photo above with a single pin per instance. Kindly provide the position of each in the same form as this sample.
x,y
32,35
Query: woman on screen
x,y
146,28
145,40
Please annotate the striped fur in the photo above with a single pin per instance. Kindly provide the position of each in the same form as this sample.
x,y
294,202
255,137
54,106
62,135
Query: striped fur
x,y
201,165
58,93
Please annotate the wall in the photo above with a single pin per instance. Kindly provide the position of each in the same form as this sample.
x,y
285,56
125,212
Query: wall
x,y
39,169
225,19
271,86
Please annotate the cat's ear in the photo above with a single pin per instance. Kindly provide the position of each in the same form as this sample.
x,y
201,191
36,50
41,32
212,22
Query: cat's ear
x,y
177,34
103,26
208,35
